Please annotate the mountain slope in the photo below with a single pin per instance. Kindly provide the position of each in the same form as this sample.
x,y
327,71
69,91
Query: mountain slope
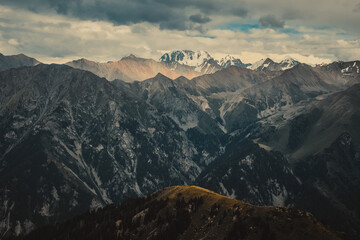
x,y
247,172
319,125
231,79
188,109
330,187
81,142
188,213
322,143
79,137
132,68
15,61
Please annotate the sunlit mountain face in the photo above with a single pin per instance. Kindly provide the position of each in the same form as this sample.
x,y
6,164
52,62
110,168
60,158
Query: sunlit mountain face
x,y
110,110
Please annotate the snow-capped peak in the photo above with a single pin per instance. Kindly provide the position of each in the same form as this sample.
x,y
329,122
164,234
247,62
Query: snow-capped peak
x,y
288,63
257,64
186,57
231,61
268,64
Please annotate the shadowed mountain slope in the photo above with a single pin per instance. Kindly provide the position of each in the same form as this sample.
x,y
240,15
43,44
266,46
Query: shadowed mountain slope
x,y
188,213
15,61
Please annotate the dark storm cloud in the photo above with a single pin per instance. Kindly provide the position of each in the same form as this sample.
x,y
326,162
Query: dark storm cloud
x,y
292,14
198,18
240,12
169,14
271,21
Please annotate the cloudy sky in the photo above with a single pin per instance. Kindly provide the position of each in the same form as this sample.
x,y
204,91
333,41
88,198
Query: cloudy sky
x,y
63,30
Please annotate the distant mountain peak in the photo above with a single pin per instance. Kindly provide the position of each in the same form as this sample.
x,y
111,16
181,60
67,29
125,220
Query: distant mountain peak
x,y
131,56
186,57
229,60
268,64
160,75
268,60
82,60
15,61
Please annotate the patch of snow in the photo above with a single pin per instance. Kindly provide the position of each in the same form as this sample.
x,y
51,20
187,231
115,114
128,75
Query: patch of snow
x,y
45,210
18,228
187,57
222,128
226,192
73,202
186,122
266,65
248,160
288,63
11,135
256,64
95,204
204,153
267,148
28,225
345,70
278,194
279,200
137,189
18,125
77,177
55,194
99,147
201,102
96,177
151,130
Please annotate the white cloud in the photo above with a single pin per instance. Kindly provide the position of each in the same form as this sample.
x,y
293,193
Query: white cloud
x,y
13,42
56,38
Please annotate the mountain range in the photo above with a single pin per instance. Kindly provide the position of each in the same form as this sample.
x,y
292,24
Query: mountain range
x,y
174,64
71,141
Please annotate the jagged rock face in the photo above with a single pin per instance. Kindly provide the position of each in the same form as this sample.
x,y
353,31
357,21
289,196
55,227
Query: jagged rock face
x,y
189,110
258,176
80,142
15,61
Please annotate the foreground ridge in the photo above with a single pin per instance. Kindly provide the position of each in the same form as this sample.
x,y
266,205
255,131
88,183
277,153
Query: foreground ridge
x,y
188,212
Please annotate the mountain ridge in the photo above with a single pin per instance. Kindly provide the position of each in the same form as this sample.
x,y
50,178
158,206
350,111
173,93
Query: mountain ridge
x,y
14,61
131,68
196,212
